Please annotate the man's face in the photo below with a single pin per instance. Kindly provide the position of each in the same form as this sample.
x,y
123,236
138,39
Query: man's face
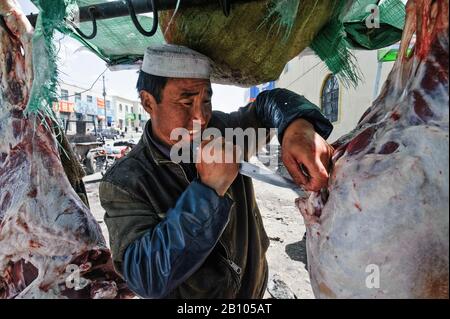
x,y
182,102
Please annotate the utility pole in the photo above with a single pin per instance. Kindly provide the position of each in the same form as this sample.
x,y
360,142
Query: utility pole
x,y
104,102
376,85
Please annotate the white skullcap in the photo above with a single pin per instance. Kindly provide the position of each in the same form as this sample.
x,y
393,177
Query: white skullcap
x,y
176,61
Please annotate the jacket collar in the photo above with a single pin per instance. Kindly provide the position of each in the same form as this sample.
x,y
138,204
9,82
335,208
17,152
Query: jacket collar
x,y
156,151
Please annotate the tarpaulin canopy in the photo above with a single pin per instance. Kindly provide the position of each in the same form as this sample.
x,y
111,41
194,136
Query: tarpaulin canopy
x,y
329,29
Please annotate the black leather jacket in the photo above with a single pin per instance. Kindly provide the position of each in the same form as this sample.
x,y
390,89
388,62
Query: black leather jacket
x,y
174,237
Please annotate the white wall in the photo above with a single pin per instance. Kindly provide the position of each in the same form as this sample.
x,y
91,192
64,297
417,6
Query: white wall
x,y
121,115
306,76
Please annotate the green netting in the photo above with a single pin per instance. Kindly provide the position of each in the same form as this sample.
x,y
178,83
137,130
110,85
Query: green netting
x,y
45,73
116,49
117,41
349,30
331,46
391,18
391,11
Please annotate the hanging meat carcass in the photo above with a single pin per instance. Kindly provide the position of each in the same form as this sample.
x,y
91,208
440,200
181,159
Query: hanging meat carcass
x,y
50,244
380,230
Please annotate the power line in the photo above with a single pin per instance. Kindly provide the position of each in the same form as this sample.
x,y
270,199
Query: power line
x,y
90,86
303,74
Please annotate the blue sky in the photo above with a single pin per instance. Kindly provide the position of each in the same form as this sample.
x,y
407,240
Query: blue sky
x,y
81,67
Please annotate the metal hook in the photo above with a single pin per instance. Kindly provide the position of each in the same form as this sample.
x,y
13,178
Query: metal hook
x,y
226,7
136,22
94,26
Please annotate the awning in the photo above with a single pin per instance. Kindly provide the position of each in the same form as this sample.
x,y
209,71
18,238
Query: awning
x,y
390,53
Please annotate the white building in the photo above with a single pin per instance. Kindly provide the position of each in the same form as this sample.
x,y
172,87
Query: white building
x,y
129,114
78,103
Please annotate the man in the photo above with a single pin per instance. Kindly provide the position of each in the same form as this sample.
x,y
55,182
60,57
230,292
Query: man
x,y
193,230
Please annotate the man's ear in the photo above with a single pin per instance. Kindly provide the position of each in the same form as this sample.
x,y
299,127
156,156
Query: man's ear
x,y
148,101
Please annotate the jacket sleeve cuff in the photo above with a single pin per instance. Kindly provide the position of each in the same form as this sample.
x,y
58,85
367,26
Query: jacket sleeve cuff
x,y
322,126
280,107
207,196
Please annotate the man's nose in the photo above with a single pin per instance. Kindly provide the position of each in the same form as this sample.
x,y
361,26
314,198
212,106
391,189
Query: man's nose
x,y
199,112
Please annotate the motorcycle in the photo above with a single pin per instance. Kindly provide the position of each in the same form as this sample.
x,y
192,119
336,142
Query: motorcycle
x,y
101,158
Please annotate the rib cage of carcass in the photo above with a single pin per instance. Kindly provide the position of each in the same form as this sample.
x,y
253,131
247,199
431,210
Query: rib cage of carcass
x,y
380,230
50,244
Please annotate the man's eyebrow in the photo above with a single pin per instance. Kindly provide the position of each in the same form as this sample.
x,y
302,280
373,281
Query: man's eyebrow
x,y
189,94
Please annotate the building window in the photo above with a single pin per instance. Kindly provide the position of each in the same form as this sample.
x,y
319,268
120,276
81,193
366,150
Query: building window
x,y
330,98
120,108
77,97
89,98
64,95
131,109
126,108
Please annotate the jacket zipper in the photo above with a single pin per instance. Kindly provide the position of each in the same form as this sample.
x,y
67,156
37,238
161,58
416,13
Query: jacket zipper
x,y
236,268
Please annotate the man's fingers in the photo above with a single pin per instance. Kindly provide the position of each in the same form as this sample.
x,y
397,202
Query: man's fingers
x,y
319,176
326,157
231,153
294,169
219,151
205,149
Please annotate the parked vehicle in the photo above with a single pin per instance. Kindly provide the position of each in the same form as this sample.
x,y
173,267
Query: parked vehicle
x,y
84,143
97,160
101,158
108,133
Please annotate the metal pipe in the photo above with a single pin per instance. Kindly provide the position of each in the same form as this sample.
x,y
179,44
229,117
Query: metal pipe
x,y
115,9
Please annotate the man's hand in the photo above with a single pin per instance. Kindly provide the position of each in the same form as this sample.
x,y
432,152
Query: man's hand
x,y
303,148
212,167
